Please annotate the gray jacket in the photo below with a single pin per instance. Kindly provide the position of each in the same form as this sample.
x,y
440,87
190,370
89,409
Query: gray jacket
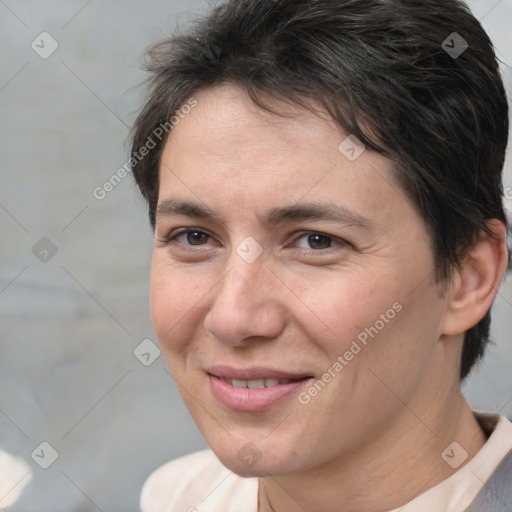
x,y
496,495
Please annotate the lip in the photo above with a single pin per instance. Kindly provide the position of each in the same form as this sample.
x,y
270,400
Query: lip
x,y
252,400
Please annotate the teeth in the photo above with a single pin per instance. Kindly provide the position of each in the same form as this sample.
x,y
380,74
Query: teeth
x,y
238,383
257,383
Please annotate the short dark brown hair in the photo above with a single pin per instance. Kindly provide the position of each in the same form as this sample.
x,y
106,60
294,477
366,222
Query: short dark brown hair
x,y
387,72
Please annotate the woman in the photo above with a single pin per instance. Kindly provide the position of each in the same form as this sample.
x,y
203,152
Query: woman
x,y
324,182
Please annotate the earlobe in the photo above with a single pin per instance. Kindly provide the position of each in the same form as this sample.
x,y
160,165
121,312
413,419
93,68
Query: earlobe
x,y
477,281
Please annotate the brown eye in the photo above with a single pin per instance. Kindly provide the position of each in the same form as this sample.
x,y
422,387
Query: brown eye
x,y
196,237
188,237
318,241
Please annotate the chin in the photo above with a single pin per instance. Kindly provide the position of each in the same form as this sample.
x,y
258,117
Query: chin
x,y
246,460
259,468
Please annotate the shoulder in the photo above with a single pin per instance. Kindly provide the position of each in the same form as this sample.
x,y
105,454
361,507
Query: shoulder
x,y
198,482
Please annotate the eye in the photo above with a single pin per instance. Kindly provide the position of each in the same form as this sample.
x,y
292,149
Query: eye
x,y
318,241
189,236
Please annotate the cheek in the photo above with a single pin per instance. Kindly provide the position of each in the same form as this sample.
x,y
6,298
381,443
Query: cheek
x,y
372,320
175,300
343,306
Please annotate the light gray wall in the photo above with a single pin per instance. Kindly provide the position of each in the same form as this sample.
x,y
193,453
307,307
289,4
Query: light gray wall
x,y
69,325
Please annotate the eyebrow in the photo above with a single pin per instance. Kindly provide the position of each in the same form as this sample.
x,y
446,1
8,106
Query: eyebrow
x,y
275,216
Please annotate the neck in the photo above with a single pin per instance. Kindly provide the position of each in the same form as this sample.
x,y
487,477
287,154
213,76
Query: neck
x,y
387,472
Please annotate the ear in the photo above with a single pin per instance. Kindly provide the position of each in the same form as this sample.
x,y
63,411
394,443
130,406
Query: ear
x,y
475,285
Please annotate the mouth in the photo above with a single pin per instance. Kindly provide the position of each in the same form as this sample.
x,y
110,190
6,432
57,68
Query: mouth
x,y
254,389
259,383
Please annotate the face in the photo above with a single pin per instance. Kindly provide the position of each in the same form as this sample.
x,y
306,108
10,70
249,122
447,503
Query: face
x,y
291,286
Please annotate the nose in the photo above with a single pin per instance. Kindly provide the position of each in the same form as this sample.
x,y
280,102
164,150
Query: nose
x,y
246,305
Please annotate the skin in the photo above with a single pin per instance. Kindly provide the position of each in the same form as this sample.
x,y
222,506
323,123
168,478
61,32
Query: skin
x,y
396,405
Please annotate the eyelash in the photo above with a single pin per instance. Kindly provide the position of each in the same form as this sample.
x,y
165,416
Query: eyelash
x,y
172,239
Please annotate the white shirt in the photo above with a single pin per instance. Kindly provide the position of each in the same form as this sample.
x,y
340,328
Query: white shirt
x,y
15,474
200,483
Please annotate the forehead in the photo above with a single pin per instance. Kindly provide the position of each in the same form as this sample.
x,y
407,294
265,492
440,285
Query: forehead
x,y
228,151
